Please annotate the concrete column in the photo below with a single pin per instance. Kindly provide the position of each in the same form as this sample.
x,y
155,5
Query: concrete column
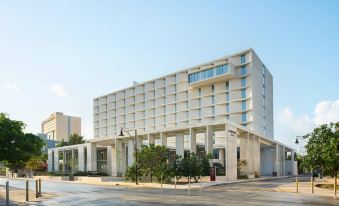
x,y
139,142
179,141
50,160
91,157
56,160
276,159
130,148
81,158
256,154
150,139
231,153
116,158
193,141
163,139
244,152
209,140
222,156
124,158
252,155
109,160
64,161
283,161
73,161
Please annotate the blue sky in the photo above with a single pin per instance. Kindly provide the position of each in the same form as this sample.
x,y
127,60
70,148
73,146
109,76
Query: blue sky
x,y
58,56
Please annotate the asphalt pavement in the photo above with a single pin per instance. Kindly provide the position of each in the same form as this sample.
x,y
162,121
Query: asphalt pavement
x,y
250,193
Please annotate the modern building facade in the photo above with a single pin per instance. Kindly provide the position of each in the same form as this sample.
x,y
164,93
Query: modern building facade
x,y
238,88
223,107
59,127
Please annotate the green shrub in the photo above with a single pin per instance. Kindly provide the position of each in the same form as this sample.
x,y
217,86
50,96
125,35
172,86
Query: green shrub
x,y
81,173
242,177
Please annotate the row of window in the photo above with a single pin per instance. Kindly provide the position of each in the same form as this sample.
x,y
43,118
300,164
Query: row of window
x,y
208,73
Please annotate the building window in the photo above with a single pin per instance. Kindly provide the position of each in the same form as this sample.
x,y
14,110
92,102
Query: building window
x,y
199,111
208,73
227,116
243,82
213,99
242,59
212,88
220,70
227,108
199,102
243,70
243,117
199,91
243,105
227,85
243,93
227,96
213,110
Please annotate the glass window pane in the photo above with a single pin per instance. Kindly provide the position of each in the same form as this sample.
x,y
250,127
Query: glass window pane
x,y
243,70
243,93
242,59
243,82
243,105
243,117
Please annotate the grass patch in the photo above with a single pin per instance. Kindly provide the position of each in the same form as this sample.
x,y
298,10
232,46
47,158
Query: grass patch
x,y
326,186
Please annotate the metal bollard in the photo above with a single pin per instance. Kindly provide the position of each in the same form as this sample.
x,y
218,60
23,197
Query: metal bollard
x,y
335,185
27,190
175,182
7,193
189,182
296,182
36,189
200,181
40,193
312,185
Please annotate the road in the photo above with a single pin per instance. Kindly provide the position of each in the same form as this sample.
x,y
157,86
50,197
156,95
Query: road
x,y
251,193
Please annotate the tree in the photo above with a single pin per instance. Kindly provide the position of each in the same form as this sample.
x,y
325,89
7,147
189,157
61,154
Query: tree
x,y
191,166
36,163
17,147
73,140
152,162
76,139
321,149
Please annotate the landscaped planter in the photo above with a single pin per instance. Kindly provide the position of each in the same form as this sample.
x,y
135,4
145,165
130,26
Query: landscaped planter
x,y
98,179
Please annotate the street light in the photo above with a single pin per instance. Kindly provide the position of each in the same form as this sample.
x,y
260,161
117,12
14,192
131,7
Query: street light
x,y
135,148
296,177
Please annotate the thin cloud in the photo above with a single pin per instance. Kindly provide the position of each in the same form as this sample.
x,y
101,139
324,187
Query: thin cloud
x,y
11,86
58,90
289,125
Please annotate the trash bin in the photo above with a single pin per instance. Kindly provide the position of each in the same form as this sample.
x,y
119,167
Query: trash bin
x,y
212,173
71,177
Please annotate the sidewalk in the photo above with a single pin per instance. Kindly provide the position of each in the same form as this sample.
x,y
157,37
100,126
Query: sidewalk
x,y
305,188
18,196
196,185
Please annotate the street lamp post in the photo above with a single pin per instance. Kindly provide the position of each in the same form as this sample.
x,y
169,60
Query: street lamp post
x,y
296,177
135,148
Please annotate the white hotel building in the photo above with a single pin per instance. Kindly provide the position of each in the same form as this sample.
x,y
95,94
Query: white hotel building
x,y
223,107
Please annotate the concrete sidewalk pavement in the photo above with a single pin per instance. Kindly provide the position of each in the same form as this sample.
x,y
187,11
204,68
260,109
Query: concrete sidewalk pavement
x,y
306,188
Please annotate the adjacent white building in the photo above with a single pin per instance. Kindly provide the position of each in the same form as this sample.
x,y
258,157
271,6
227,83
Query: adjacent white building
x,y
59,127
223,107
